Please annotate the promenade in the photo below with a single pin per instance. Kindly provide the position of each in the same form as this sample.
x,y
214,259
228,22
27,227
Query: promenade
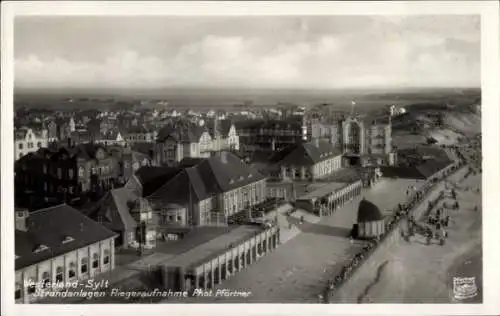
x,y
412,272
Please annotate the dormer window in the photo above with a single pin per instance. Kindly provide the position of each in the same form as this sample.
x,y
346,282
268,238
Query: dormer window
x,y
250,175
41,248
231,181
241,178
67,239
17,257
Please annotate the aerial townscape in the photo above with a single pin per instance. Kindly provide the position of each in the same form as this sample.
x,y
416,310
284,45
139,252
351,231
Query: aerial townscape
x,y
220,195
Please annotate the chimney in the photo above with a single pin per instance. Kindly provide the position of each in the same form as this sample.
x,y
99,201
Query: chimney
x,y
273,145
21,220
224,157
316,142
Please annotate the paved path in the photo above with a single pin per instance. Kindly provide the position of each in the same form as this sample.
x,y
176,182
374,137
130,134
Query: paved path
x,y
416,273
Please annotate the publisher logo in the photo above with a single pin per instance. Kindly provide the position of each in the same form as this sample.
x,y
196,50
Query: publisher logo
x,y
464,288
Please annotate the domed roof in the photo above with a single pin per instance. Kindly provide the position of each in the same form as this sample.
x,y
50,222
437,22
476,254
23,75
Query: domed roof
x,y
368,212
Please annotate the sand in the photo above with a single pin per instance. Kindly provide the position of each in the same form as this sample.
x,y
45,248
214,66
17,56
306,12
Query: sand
x,y
419,273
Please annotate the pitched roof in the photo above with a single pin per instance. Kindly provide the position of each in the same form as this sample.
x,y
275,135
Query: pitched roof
x,y
145,148
181,132
152,178
302,154
267,124
431,167
211,176
115,210
223,127
368,212
50,227
190,162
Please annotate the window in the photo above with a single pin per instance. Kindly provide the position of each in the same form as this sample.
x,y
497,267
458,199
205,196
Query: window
x,y
41,248
67,239
20,145
70,173
179,218
84,265
81,171
59,173
95,261
59,274
72,270
39,144
170,218
30,145
45,168
106,256
45,279
71,190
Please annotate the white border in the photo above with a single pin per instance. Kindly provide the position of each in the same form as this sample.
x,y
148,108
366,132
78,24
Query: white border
x,y
491,119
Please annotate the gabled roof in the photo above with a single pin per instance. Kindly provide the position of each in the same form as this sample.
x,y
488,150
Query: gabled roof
x,y
50,227
211,176
145,148
306,154
152,178
190,162
181,132
223,127
114,209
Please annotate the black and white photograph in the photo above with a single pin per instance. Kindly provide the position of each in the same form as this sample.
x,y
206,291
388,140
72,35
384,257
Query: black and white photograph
x,y
247,158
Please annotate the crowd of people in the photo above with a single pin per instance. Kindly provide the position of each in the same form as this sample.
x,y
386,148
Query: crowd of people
x,y
400,212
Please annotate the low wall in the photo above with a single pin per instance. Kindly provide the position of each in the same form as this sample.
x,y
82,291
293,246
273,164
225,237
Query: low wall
x,y
393,235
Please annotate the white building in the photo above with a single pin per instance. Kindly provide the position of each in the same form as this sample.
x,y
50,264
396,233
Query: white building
x,y
58,246
27,140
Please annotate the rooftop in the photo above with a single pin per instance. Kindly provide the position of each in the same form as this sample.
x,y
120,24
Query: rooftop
x,y
214,247
48,228
321,191
368,212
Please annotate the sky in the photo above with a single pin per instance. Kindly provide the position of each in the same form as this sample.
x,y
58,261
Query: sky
x,y
322,52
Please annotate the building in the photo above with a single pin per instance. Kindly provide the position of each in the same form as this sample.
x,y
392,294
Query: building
x,y
212,190
68,172
321,129
182,139
268,135
325,198
306,161
28,140
139,134
209,264
56,246
370,223
65,126
365,140
224,135
52,134
130,216
111,137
